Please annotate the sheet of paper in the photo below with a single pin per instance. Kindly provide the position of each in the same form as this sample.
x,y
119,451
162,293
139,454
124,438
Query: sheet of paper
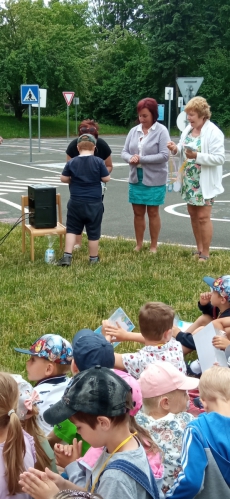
x,y
207,353
123,320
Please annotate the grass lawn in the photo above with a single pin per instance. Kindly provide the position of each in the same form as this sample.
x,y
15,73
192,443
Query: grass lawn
x,y
40,298
11,128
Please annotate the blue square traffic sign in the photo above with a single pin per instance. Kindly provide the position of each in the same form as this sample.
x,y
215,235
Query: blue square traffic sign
x,y
30,94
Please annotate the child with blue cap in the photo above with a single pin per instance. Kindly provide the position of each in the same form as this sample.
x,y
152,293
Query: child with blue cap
x,y
89,349
214,305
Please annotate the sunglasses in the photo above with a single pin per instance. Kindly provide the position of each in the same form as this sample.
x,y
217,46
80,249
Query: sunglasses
x,y
88,129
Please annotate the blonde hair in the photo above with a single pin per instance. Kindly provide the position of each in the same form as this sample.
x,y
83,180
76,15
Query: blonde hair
x,y
14,447
144,436
153,403
154,319
30,425
86,145
215,384
200,106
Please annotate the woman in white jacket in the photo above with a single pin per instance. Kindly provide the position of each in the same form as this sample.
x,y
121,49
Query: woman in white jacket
x,y
201,150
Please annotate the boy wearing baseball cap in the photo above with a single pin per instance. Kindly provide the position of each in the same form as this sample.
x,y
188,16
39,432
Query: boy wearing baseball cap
x,y
89,350
165,402
215,305
98,402
84,174
50,360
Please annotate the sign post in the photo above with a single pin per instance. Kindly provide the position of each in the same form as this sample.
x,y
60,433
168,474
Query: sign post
x,y
29,96
76,103
189,86
42,103
68,96
169,97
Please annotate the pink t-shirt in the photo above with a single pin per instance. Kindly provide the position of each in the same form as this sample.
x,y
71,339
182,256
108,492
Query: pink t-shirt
x,y
29,461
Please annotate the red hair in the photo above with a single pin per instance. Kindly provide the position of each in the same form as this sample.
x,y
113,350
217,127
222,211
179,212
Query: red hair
x,y
151,105
89,126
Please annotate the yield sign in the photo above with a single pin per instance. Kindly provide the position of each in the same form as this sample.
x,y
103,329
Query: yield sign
x,y
189,86
68,96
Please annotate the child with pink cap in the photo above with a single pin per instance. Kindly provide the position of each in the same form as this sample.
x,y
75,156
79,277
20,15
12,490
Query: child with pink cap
x,y
165,402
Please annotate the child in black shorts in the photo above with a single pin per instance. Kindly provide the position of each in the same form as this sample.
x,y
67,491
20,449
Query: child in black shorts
x,y
84,175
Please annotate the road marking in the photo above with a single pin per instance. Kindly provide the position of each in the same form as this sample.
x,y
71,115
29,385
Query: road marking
x,y
26,166
172,211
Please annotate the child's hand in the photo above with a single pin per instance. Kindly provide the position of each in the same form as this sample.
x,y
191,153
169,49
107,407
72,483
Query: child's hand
x,y
205,298
66,454
220,342
116,333
37,484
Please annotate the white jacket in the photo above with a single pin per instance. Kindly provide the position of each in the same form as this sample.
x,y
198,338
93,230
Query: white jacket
x,y
211,158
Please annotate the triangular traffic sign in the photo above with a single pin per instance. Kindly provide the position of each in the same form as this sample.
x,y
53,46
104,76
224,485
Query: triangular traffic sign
x,y
30,96
189,86
68,96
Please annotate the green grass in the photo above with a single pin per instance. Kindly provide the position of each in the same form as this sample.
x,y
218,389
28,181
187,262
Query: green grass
x,y
11,128
40,298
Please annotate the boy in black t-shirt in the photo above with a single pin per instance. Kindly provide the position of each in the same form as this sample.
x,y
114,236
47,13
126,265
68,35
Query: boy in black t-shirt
x,y
84,173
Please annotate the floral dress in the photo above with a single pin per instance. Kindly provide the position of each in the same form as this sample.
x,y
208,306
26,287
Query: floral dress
x,y
191,190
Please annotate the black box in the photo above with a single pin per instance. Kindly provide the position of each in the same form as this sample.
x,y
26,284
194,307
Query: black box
x,y
42,206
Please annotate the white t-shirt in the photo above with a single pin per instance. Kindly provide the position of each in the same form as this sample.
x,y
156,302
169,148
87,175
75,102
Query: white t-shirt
x,y
50,391
135,363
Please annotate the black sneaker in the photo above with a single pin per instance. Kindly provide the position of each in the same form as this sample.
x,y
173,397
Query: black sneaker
x,y
94,259
65,261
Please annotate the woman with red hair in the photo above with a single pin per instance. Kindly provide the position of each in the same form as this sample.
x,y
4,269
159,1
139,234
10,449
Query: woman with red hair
x,y
146,152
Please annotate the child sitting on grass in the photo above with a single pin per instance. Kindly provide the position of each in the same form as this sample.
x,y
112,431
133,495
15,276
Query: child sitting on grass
x,y
165,402
156,323
27,412
214,304
98,402
65,454
89,350
49,363
206,451
17,452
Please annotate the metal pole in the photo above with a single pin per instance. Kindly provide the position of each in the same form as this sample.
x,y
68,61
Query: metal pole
x,y
30,132
76,116
169,115
39,126
67,123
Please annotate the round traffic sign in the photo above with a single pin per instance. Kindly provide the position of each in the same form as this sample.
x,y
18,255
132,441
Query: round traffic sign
x,y
181,121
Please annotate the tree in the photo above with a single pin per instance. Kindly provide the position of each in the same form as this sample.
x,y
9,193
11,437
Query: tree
x,y
179,34
122,77
48,45
128,14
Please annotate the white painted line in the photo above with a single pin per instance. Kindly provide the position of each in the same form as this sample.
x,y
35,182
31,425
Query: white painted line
x,y
165,244
9,189
26,166
6,201
226,175
120,179
172,211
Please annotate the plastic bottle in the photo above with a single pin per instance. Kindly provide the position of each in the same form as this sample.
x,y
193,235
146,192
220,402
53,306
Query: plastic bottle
x,y
50,253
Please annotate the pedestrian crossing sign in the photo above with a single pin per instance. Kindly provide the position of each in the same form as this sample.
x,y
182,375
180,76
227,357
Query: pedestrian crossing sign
x,y
29,94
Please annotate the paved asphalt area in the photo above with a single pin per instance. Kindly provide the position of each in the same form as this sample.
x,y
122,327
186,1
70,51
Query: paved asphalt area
x,y
16,173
